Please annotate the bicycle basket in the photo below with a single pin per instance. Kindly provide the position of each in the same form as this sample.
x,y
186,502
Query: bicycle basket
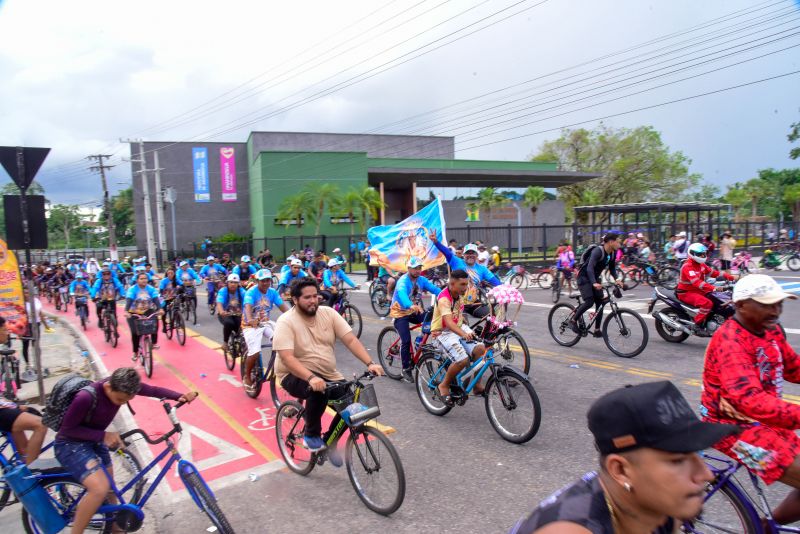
x,y
357,412
146,326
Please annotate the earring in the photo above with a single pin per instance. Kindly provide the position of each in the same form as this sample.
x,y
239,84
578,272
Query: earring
x,y
627,487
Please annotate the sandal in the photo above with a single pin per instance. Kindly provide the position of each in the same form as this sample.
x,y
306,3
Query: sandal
x,y
446,399
249,388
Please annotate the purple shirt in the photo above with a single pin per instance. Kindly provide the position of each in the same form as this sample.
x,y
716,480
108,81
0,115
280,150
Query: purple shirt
x,y
73,426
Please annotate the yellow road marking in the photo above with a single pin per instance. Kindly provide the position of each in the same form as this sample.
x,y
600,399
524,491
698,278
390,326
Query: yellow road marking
x,y
210,343
221,412
657,373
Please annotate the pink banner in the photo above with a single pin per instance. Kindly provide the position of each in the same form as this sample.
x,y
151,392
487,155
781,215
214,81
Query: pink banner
x,y
227,169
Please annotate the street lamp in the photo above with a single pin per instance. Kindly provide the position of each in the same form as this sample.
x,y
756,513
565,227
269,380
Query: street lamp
x,y
171,195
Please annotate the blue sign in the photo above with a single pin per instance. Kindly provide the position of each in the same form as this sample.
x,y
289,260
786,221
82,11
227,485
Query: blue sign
x,y
202,191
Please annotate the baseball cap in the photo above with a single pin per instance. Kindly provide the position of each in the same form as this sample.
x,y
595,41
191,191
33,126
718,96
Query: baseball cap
x,y
264,274
761,288
181,264
333,262
414,263
245,259
295,261
496,248
210,258
470,248
233,277
337,249
79,275
681,234
290,258
654,415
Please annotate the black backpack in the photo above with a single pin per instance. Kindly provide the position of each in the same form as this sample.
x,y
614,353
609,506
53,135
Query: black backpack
x,y
586,255
61,397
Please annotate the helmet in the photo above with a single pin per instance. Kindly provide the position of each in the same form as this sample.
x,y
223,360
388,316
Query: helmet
x,y
470,248
414,263
681,234
245,259
210,258
106,264
297,262
337,249
264,274
233,277
290,258
698,251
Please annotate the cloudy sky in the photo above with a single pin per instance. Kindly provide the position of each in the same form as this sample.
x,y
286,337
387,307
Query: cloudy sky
x,y
500,75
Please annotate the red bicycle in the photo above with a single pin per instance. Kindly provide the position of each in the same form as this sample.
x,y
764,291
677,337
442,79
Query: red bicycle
x,y
389,346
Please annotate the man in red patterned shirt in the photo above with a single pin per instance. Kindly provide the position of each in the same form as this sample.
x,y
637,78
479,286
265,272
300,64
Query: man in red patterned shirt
x,y
746,363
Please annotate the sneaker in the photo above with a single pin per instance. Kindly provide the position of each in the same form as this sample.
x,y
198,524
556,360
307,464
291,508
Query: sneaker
x,y
134,357
574,326
335,457
407,375
313,444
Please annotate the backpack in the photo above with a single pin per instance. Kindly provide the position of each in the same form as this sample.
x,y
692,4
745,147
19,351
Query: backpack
x,y
587,254
61,397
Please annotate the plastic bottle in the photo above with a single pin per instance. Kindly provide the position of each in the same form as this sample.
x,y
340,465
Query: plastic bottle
x,y
35,499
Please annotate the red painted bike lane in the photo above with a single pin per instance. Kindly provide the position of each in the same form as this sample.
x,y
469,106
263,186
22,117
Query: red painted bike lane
x,y
225,431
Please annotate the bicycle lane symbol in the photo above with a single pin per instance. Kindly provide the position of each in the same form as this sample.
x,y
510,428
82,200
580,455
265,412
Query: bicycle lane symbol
x,y
266,420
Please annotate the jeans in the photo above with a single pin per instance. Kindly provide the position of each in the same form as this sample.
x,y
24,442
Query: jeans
x,y
211,288
402,324
315,403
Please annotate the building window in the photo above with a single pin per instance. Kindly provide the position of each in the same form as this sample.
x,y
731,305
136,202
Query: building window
x,y
287,222
343,220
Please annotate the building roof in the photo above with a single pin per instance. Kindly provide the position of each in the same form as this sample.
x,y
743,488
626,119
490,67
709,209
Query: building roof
x,y
642,207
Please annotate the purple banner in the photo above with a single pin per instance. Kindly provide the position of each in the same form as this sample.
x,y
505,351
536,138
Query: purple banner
x,y
227,170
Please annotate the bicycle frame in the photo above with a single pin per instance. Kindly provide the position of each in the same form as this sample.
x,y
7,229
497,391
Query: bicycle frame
x,y
487,361
16,457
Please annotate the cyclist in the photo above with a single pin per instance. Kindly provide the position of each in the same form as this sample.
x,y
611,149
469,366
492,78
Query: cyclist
x,y
105,291
295,271
692,286
185,270
82,443
317,266
212,273
651,477
92,268
565,263
258,302
245,270
478,275
680,246
288,265
229,308
79,290
496,260
168,289
455,339
483,256
265,259
141,299
337,254
141,269
227,262
388,276
746,364
331,278
304,339
406,308
595,259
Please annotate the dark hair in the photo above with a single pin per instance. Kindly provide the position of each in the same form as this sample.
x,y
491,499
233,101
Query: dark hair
x,y
125,380
2,321
458,274
298,284
611,236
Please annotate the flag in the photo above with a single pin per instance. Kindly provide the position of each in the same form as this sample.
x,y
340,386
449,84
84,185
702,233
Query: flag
x,y
12,305
392,246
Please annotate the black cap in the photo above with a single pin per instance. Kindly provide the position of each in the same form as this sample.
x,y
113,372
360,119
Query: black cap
x,y
654,415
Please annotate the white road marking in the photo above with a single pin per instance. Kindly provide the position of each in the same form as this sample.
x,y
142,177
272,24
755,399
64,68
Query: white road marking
x,y
228,452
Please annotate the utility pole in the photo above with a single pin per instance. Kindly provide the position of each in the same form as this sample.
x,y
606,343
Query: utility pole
x,y
162,226
112,233
148,216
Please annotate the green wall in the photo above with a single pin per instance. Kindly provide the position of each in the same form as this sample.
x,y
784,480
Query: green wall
x,y
462,164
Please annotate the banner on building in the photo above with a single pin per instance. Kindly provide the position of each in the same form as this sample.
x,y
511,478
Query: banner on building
x,y
392,246
227,170
202,191
12,303
473,214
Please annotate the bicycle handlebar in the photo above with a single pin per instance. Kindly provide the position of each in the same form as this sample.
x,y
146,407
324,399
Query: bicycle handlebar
x,y
176,426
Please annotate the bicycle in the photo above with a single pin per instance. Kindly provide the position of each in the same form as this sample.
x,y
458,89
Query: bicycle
x,y
188,302
237,347
507,384
145,326
742,262
379,298
366,462
213,287
82,310
129,515
62,298
728,507
389,346
348,311
108,322
569,281
173,321
9,373
259,375
623,321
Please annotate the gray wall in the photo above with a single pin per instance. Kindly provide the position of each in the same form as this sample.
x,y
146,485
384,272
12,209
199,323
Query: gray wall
x,y
195,220
376,146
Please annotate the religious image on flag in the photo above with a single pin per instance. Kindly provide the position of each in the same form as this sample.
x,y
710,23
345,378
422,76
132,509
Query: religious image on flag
x,y
392,246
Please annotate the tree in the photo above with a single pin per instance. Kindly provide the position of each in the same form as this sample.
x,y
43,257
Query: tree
x,y
371,204
635,164
62,222
122,214
347,205
791,195
532,197
320,196
794,135
755,190
489,198
295,208
705,193
736,197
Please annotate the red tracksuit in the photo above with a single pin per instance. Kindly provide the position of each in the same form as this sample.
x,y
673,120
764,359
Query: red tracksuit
x,y
692,287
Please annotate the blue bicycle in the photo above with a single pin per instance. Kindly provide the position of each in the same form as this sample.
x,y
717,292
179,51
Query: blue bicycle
x,y
512,405
66,493
728,507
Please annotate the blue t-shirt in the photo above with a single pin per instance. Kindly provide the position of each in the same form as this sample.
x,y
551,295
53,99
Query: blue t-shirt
x,y
168,288
262,303
142,301
231,302
251,270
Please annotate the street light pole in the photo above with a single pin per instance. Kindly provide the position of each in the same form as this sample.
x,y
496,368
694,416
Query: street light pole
x,y
519,228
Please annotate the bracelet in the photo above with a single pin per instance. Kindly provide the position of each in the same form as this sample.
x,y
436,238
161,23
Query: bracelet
x,y
312,375
371,363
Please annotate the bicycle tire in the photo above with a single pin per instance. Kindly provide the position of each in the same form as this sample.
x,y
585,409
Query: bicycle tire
x,y
544,280
555,294
206,501
793,262
126,467
373,463
115,333
5,494
230,355
668,277
65,302
493,388
352,315
505,356
82,315
276,392
389,353
560,331
146,353
635,318
378,300
256,377
193,311
62,498
631,279
179,325
742,514
290,442
518,280
426,367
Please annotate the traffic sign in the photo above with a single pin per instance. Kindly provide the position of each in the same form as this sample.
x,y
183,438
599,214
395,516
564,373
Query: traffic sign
x,y
32,159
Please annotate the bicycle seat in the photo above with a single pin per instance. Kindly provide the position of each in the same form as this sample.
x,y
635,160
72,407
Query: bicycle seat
x,y
7,352
46,465
575,296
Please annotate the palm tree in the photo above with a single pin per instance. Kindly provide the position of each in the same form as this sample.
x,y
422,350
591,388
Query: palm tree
x,y
532,197
736,197
348,205
320,195
755,189
294,208
489,198
791,195
371,204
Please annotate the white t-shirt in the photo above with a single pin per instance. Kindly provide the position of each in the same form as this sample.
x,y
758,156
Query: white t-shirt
x,y
483,258
37,306
677,246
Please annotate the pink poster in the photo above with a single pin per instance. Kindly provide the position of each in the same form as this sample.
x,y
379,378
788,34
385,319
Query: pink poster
x,y
227,169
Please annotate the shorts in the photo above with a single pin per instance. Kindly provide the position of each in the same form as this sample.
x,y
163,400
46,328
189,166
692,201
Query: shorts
x,y
765,451
455,346
253,336
385,278
7,418
82,458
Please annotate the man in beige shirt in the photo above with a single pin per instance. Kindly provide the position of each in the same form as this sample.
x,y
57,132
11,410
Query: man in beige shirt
x,y
304,339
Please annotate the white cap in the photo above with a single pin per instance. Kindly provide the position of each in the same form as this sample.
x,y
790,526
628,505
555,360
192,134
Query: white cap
x,y
470,248
640,234
184,262
297,262
333,262
210,258
414,263
337,249
245,259
79,275
290,258
761,288
264,274
681,234
496,248
92,259
233,277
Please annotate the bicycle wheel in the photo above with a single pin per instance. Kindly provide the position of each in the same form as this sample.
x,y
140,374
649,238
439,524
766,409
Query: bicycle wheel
x,y
276,392
375,470
632,278
544,280
426,369
289,427
724,511
112,320
511,349
555,293
65,302
146,353
353,318
389,352
193,311
179,325
106,330
625,333
519,281
126,467
256,376
206,501
512,407
229,353
793,262
380,303
65,492
668,277
558,324
82,315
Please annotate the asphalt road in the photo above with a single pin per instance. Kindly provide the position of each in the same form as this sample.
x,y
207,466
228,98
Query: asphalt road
x,y
461,476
